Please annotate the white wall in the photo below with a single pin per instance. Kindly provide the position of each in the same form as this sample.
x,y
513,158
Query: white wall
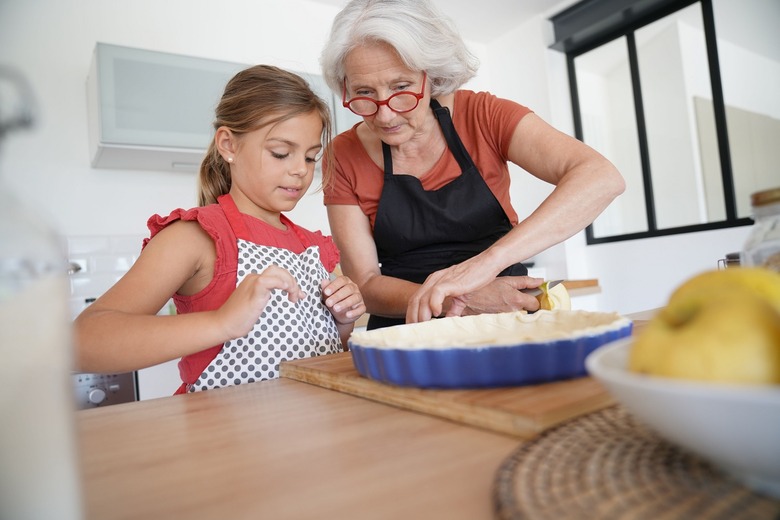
x,y
51,41
634,275
517,62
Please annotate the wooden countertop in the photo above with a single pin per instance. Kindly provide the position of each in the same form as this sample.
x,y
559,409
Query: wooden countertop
x,y
283,449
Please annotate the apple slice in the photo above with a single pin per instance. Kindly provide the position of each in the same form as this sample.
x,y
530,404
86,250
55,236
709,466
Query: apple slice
x,y
555,297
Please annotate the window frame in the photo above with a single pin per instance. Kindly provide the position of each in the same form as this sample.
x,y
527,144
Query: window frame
x,y
590,24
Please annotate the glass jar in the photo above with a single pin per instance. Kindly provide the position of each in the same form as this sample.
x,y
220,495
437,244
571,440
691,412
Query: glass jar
x,y
762,247
39,477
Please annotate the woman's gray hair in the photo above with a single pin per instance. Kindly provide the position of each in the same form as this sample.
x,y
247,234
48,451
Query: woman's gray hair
x,y
425,39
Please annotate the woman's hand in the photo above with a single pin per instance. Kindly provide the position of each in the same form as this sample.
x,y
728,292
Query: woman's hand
x,y
342,297
240,312
501,295
466,280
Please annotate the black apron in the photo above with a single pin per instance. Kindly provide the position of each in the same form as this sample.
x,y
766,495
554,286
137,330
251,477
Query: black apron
x,y
418,232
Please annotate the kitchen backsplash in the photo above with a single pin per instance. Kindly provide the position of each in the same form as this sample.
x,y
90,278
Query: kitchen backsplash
x,y
97,262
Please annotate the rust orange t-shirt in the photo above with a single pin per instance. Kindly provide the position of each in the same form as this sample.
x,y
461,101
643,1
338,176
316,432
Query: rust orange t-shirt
x,y
485,124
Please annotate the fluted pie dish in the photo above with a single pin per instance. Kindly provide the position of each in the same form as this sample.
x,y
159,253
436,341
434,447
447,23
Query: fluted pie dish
x,y
488,350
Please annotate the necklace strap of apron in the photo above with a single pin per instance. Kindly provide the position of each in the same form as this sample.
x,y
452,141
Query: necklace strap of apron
x,y
451,136
233,216
387,155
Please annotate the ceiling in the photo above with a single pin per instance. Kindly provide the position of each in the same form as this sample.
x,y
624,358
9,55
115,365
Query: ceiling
x,y
483,20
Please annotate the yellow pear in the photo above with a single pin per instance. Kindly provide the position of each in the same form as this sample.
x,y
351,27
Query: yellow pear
x,y
764,282
718,326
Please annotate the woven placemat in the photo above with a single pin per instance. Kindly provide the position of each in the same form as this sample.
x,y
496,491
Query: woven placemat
x,y
607,465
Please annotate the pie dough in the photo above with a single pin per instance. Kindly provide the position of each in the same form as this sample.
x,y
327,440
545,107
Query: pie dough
x,y
490,330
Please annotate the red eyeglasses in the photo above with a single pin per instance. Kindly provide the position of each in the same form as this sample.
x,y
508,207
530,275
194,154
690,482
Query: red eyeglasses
x,y
400,102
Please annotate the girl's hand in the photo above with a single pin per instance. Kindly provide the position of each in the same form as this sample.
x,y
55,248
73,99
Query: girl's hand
x,y
342,297
240,312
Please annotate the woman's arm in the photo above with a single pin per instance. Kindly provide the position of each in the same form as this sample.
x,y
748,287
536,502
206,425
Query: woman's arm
x,y
389,297
383,295
585,183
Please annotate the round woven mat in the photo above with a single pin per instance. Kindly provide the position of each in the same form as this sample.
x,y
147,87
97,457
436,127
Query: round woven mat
x,y
606,465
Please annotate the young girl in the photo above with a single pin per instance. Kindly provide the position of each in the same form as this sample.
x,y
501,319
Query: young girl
x,y
251,288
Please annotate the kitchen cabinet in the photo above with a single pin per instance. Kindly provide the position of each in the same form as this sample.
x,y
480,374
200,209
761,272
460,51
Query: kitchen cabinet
x,y
153,110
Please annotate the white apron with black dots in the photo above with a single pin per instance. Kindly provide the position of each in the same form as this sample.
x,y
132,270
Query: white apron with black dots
x,y
284,331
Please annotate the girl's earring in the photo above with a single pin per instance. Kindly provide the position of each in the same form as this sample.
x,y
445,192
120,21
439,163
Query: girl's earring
x,y
230,159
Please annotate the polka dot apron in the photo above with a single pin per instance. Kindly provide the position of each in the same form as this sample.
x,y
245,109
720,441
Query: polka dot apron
x,y
284,331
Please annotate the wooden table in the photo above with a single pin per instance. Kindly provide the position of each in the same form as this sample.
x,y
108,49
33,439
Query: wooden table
x,y
282,449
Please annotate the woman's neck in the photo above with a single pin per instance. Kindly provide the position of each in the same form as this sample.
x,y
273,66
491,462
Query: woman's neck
x,y
418,155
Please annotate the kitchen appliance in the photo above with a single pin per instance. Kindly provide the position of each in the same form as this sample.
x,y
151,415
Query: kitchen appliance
x,y
93,390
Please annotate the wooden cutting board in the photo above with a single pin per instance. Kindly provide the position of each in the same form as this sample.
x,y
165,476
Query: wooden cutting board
x,y
521,411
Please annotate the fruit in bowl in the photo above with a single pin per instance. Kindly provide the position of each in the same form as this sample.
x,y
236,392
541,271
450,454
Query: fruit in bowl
x,y
735,427
705,372
719,326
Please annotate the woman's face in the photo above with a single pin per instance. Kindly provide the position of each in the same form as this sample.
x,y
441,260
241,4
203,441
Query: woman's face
x,y
376,71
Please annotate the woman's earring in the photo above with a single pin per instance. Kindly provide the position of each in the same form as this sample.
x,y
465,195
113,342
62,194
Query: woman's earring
x,y
230,159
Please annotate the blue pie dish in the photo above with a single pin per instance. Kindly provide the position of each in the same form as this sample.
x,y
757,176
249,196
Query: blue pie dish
x,y
406,360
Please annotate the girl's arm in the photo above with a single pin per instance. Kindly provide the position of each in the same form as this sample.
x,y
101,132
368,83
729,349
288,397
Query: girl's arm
x,y
121,330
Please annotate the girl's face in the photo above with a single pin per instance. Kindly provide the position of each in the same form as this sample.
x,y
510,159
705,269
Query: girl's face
x,y
376,71
273,166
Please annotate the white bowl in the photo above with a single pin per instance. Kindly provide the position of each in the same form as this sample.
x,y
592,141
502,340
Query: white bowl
x,y
735,427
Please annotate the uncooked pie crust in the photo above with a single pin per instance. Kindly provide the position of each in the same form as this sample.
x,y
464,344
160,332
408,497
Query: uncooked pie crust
x,y
490,330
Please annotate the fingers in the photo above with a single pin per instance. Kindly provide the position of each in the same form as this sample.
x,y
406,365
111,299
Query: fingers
x,y
457,307
531,303
275,277
527,301
342,296
522,282
428,301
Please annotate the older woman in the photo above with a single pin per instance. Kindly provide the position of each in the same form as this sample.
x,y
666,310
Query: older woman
x,y
420,205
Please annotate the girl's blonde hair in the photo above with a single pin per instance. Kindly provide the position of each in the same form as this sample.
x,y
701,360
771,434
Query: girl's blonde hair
x,y
253,98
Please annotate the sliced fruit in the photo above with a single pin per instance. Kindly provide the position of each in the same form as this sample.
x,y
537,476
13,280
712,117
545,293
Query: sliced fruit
x,y
555,298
